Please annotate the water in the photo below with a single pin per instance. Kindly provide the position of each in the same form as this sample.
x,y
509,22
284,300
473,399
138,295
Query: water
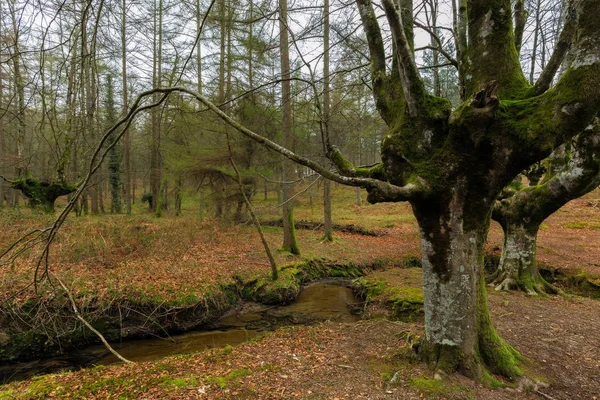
x,y
326,300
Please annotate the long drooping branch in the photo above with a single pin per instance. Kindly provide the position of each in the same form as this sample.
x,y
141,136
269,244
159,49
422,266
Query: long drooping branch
x,y
379,191
562,47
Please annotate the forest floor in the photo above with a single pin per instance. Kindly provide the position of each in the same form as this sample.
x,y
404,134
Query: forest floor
x,y
171,260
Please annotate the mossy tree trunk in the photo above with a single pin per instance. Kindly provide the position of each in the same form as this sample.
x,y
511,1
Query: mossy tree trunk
x,y
459,332
572,172
518,269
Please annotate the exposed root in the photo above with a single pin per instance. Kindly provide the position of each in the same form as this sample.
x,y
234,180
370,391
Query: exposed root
x,y
535,285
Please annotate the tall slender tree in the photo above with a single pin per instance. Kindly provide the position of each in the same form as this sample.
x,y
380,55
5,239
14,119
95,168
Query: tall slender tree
x,y
328,225
290,242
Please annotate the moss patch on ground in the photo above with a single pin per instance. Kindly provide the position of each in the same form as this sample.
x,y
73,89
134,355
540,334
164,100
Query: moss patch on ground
x,y
398,289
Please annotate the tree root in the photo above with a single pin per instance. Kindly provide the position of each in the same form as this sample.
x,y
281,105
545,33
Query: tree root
x,y
536,285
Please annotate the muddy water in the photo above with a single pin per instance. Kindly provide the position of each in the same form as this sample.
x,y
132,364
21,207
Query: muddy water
x,y
325,300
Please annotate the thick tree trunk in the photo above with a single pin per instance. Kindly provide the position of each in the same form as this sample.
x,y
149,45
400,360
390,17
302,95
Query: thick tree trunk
x,y
459,334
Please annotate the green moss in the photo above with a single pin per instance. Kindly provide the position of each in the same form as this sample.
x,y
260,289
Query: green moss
x,y
223,381
376,172
405,302
103,384
7,394
430,387
496,354
576,225
342,164
179,382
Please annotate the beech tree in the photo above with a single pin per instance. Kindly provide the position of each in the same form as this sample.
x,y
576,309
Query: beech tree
x,y
573,170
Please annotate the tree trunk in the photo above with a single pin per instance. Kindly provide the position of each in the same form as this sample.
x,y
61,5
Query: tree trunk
x,y
518,269
2,138
289,232
127,138
459,334
155,156
178,196
327,220
19,90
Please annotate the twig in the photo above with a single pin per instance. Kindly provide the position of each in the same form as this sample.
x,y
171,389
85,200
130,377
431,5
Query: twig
x,y
544,395
88,325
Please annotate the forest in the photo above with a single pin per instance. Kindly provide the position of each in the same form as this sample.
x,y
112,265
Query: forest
x,y
368,199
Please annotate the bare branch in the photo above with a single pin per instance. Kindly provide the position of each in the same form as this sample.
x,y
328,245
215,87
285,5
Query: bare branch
x,y
440,45
88,325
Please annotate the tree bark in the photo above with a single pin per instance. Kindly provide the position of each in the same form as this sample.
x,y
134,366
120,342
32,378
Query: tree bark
x,y
127,138
289,232
459,334
327,220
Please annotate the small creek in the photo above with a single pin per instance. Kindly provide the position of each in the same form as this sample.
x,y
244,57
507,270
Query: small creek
x,y
324,300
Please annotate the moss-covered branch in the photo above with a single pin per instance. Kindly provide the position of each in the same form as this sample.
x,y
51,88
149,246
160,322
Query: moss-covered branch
x,y
491,39
570,174
520,21
379,77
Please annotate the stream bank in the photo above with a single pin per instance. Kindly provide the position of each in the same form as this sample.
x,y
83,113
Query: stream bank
x,y
329,299
126,319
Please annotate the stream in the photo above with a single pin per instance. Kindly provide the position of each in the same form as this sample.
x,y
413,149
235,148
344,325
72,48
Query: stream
x,y
324,300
